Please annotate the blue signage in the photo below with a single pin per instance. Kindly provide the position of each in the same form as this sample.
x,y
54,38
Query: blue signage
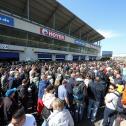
x,y
5,20
79,42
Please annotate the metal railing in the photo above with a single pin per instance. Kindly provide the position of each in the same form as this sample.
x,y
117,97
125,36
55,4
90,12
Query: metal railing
x,y
43,44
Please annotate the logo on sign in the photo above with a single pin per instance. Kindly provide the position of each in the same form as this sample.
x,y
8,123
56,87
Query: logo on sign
x,y
6,20
3,46
51,34
45,31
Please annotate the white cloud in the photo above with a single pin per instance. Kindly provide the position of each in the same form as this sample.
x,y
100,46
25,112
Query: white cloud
x,y
108,33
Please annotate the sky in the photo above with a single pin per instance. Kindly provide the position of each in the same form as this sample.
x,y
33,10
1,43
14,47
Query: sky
x,y
108,17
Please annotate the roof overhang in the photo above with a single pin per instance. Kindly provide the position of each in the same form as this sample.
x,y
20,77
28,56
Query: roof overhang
x,y
52,14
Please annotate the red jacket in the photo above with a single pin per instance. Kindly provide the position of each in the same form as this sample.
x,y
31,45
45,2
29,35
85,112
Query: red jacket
x,y
40,106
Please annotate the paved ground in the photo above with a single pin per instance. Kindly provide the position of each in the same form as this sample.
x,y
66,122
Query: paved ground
x,y
88,123
85,121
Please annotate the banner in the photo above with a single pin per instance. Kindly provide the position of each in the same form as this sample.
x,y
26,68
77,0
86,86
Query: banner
x,y
5,20
52,34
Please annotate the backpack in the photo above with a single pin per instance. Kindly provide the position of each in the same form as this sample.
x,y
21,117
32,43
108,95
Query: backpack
x,y
115,101
78,92
123,100
120,88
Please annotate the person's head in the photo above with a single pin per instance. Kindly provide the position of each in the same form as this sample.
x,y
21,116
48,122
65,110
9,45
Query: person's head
x,y
87,77
43,77
64,82
77,74
112,88
73,75
97,78
118,76
11,92
58,104
50,89
11,73
24,81
18,118
17,75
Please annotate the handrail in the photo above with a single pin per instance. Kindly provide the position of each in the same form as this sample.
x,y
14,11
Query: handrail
x,y
40,44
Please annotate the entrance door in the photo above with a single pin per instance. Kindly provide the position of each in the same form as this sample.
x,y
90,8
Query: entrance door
x,y
9,56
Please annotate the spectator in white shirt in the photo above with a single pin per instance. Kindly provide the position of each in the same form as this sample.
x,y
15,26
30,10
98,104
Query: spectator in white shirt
x,y
49,96
111,100
60,116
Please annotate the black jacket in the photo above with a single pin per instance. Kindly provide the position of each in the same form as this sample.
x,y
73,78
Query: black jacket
x,y
96,91
9,107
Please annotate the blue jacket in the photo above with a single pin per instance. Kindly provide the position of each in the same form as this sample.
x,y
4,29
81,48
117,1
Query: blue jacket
x,y
42,85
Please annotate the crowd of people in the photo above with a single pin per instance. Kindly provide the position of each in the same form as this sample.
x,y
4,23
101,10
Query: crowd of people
x,y
62,93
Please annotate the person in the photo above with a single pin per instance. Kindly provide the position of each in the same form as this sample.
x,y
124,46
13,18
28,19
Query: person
x,y
124,72
1,112
49,96
60,116
123,123
69,87
11,79
63,94
19,118
17,80
111,100
23,93
95,94
47,99
9,104
42,85
79,97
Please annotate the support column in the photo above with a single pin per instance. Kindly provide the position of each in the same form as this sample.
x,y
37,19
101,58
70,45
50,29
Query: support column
x,y
53,57
54,21
27,36
69,57
80,33
79,58
70,29
28,9
87,58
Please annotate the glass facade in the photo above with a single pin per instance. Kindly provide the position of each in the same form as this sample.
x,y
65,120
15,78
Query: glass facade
x,y
22,38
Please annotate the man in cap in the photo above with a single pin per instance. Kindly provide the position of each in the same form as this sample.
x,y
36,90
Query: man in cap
x,y
9,104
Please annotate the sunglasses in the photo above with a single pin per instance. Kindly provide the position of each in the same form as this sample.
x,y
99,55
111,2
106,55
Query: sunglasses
x,y
111,88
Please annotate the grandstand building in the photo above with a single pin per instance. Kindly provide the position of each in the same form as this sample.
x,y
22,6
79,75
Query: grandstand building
x,y
45,30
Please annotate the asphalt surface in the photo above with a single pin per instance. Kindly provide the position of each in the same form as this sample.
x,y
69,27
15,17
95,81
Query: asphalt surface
x,y
87,122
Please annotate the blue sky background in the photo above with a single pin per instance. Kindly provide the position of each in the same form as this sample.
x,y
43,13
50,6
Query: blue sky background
x,y
106,16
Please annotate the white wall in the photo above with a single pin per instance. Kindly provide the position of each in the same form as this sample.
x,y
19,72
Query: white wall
x,y
29,53
69,57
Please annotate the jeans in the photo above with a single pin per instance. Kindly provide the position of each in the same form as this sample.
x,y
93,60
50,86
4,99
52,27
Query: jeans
x,y
124,77
45,123
79,112
109,116
92,109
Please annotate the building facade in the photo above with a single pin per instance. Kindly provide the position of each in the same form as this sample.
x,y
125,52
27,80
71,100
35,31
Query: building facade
x,y
24,36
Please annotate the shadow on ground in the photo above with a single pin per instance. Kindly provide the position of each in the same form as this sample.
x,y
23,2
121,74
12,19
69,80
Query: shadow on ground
x,y
87,122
